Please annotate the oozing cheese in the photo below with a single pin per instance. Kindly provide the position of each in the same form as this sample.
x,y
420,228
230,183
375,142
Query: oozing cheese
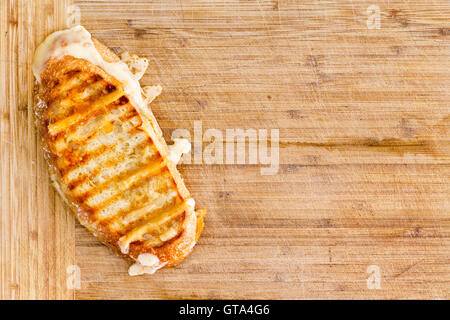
x,y
179,147
77,42
146,263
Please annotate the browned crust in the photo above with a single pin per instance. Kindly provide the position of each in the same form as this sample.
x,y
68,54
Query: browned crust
x,y
173,251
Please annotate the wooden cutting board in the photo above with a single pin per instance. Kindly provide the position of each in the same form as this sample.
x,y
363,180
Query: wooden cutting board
x,y
360,205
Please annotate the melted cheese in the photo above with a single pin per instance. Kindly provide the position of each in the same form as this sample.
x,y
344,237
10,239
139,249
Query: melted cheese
x,y
136,64
179,147
146,263
77,42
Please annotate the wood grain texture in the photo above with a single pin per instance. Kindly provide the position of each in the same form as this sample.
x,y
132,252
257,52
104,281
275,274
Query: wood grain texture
x,y
364,170
37,234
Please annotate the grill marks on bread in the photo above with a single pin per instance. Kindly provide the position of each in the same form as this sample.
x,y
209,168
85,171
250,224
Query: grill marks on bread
x,y
108,164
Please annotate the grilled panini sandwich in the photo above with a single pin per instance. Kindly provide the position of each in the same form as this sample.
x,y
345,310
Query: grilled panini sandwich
x,y
106,154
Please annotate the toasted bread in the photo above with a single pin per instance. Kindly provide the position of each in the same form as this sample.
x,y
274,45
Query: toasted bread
x,y
108,159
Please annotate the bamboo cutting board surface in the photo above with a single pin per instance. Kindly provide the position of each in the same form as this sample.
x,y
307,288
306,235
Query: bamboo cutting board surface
x,y
363,116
